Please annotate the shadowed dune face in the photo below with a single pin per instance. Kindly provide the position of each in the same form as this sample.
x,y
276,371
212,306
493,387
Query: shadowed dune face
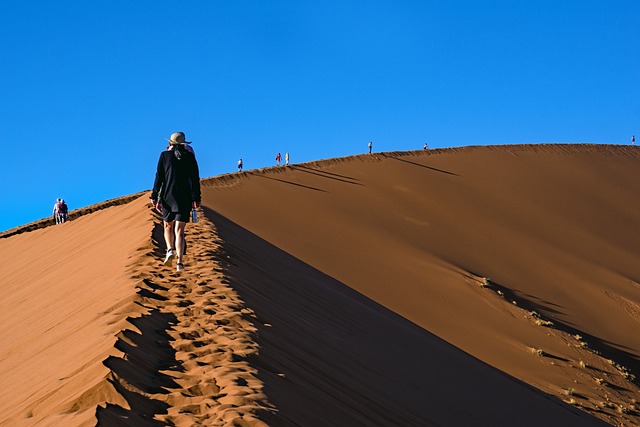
x,y
331,356
554,228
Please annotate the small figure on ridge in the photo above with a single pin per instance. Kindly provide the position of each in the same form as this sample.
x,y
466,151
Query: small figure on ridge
x,y
60,211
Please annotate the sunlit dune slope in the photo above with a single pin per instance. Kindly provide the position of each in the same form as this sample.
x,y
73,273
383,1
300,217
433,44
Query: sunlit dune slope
x,y
65,292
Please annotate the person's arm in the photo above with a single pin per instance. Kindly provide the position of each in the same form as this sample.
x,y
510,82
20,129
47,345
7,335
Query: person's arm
x,y
195,183
158,183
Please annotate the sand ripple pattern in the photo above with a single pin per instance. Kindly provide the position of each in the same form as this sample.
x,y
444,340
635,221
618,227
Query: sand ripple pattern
x,y
185,361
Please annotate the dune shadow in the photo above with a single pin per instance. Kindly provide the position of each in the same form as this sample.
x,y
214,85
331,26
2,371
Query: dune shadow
x,y
325,174
157,236
554,357
327,352
142,369
292,183
420,165
116,416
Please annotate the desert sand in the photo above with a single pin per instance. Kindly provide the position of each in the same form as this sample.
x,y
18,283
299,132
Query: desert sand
x,y
477,286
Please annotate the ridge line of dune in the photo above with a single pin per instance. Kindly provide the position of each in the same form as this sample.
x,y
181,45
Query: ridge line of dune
x,y
74,214
560,148
184,359
230,178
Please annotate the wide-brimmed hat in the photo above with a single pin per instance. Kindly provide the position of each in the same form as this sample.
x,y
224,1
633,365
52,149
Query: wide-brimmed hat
x,y
178,138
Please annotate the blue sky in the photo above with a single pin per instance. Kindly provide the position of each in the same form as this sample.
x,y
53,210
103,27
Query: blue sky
x,y
91,90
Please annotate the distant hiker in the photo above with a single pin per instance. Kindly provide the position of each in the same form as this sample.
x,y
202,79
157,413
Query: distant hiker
x,y
278,157
55,210
64,211
286,158
60,211
240,165
176,190
426,147
370,146
633,140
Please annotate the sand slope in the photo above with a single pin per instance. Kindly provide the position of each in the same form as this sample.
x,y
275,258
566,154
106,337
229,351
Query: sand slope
x,y
477,286
65,295
555,228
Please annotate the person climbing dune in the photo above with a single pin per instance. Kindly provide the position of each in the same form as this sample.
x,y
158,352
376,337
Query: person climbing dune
x,y
176,191
60,211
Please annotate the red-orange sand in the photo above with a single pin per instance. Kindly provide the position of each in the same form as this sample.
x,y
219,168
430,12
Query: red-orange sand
x,y
480,286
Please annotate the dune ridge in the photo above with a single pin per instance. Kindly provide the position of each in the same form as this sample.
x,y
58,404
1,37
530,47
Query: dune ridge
x,y
73,214
183,360
554,148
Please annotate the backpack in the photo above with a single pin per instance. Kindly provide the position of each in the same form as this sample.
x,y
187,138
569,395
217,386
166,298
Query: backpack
x,y
62,208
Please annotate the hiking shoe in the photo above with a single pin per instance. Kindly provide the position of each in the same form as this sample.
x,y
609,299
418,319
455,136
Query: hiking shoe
x,y
169,259
180,267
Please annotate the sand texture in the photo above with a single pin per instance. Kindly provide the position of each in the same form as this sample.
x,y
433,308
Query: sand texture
x,y
479,286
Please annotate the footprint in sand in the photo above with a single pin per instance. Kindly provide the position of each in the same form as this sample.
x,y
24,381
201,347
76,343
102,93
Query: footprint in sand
x,y
205,346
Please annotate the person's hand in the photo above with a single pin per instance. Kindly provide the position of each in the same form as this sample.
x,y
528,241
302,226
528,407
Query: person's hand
x,y
157,205
195,205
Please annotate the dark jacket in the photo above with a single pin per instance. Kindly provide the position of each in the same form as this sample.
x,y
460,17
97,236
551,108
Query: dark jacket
x,y
177,183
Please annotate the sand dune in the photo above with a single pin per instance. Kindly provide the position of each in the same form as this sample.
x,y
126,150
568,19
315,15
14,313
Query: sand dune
x,y
65,295
477,286
554,228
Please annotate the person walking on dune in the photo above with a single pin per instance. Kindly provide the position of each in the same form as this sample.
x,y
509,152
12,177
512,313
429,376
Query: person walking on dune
x,y
633,140
370,146
63,211
187,146
286,158
240,165
56,218
60,211
176,190
278,157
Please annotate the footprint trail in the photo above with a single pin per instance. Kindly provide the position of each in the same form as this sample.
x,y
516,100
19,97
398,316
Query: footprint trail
x,y
185,358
